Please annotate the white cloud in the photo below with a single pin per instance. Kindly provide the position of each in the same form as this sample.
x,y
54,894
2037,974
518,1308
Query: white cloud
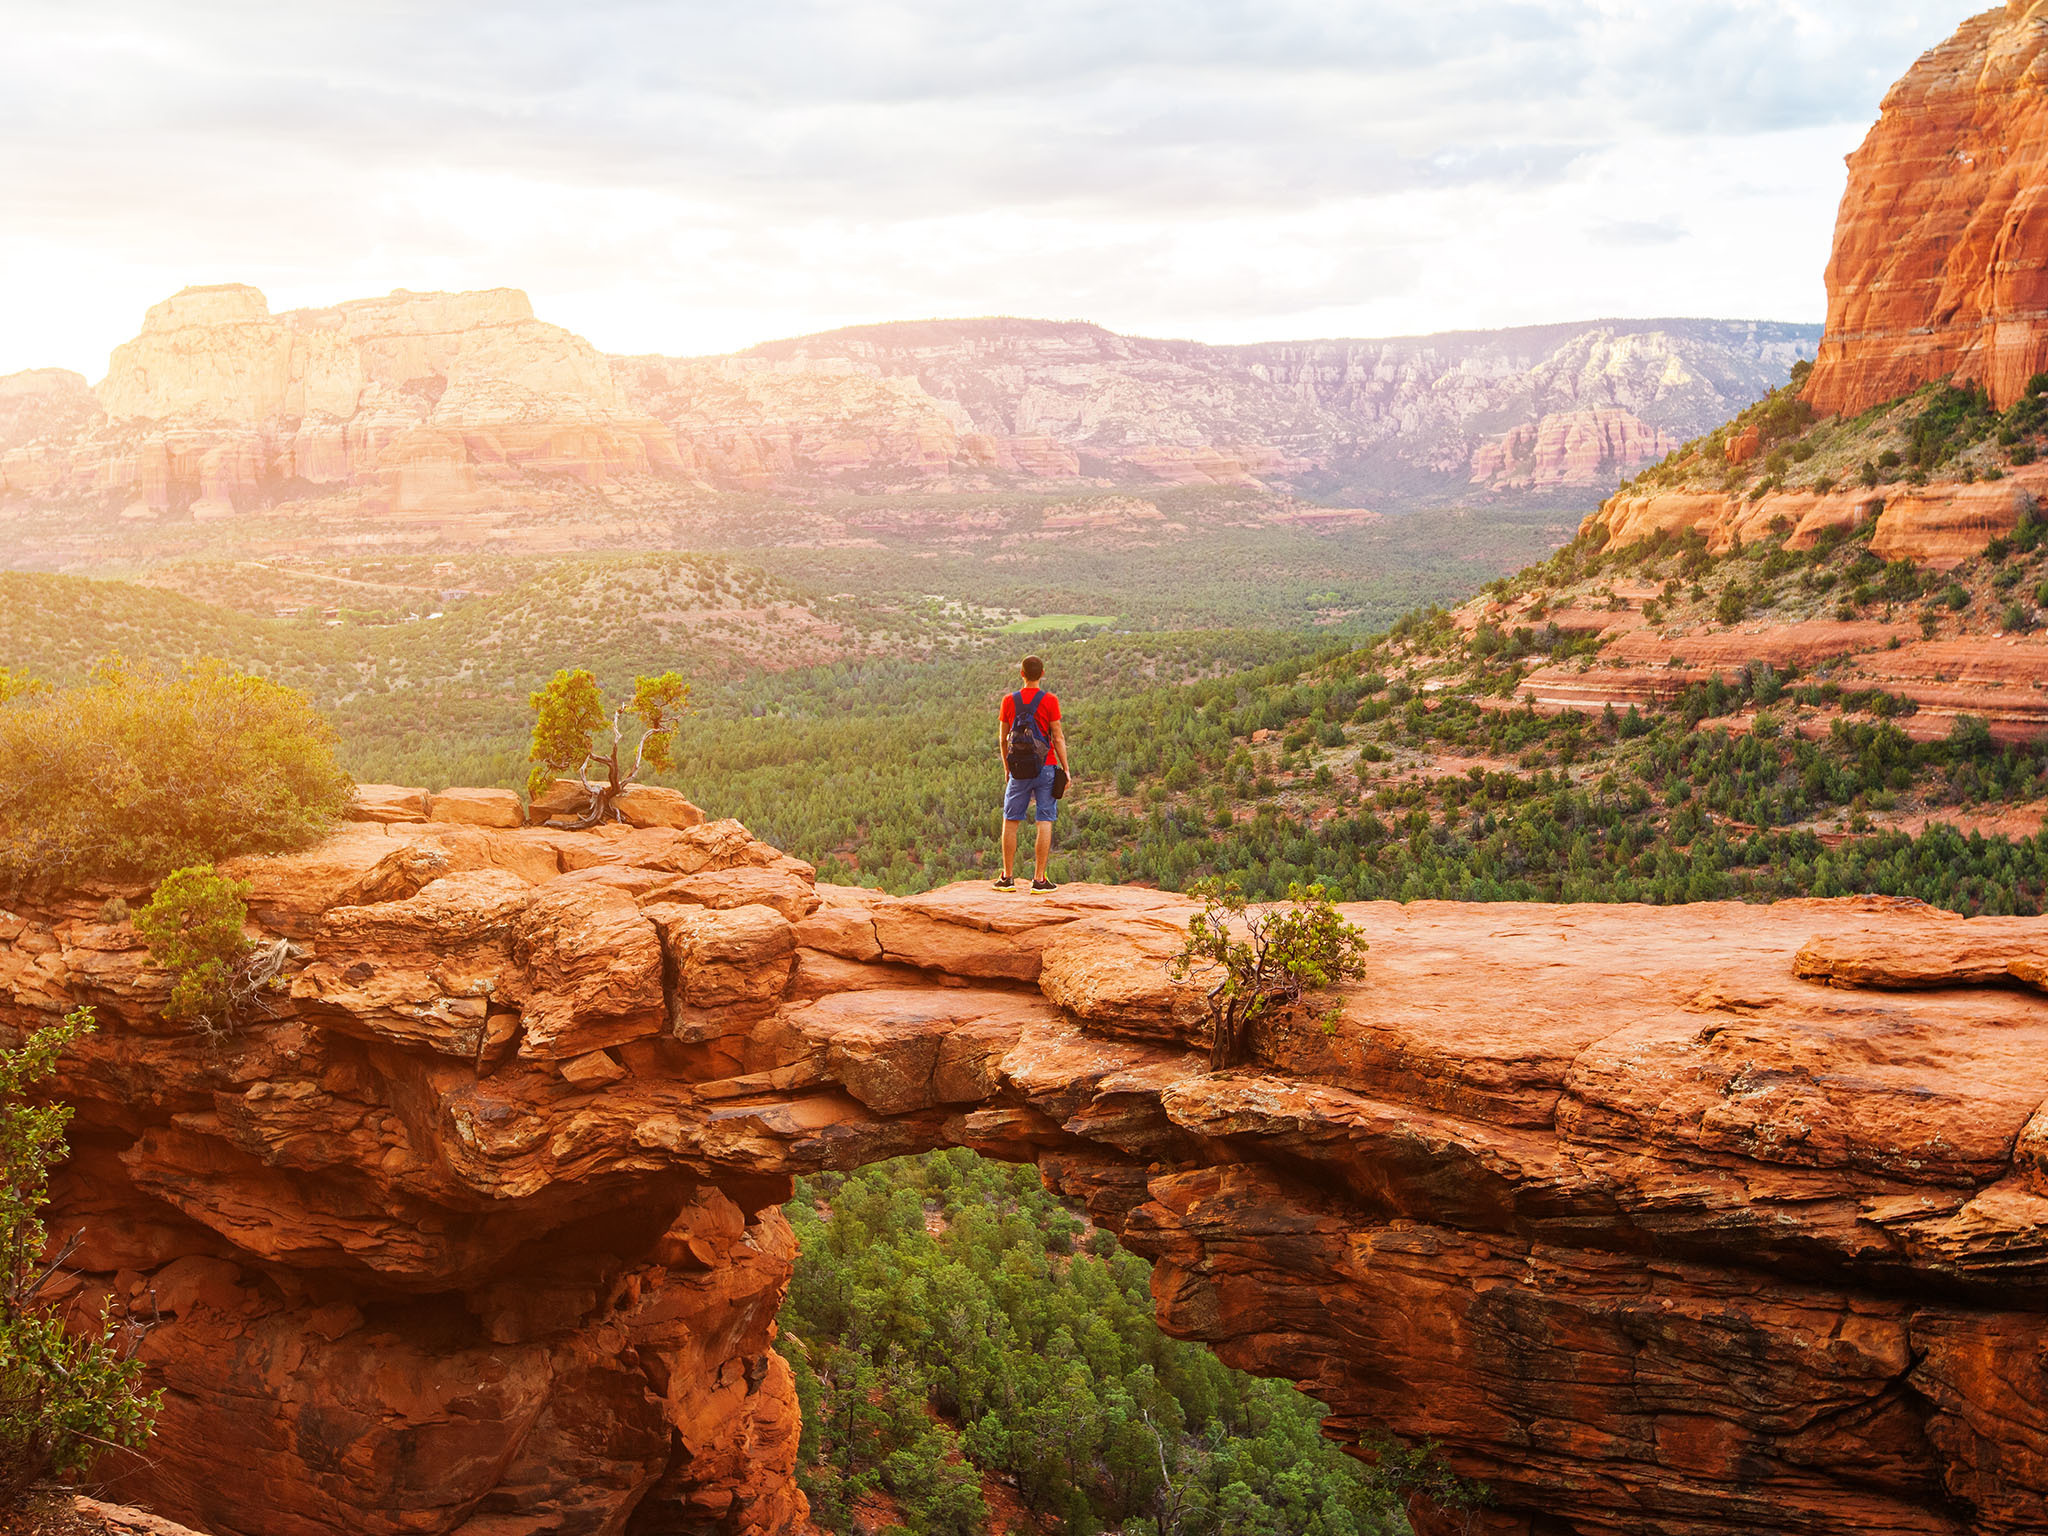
x,y
693,177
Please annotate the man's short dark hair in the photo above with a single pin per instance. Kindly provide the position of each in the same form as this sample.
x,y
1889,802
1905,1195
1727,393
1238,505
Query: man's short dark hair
x,y
1034,669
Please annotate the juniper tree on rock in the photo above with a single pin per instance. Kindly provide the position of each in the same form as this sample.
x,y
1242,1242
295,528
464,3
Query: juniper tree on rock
x,y
571,721
1265,959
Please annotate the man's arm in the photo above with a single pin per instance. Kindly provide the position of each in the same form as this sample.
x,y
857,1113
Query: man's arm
x,y
1059,747
1003,747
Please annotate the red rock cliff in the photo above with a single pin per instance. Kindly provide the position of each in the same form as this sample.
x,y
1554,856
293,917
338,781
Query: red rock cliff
x,y
1703,1220
1941,252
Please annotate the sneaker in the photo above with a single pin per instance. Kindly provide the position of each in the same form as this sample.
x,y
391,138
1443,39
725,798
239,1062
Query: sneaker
x,y
1007,883
1043,887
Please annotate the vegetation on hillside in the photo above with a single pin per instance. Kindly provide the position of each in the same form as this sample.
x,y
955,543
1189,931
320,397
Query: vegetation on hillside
x,y
956,1332
1946,430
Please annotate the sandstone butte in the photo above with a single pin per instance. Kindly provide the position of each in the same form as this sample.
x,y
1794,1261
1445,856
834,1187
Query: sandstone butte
x,y
1939,269
1940,261
1699,1220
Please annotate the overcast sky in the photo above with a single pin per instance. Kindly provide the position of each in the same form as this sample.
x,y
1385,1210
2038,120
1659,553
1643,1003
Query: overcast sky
x,y
694,177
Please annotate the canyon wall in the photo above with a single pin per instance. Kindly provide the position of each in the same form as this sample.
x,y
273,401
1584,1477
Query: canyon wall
x,y
436,416
1410,420
1702,1220
1940,263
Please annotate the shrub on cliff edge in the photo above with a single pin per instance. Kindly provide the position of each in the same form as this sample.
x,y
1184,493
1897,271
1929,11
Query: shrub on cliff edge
x,y
193,926
1263,960
64,1395
140,771
569,718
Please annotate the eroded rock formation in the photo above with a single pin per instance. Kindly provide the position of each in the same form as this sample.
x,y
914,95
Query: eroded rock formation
x,y
425,418
449,401
1940,262
1937,525
1697,1220
1569,448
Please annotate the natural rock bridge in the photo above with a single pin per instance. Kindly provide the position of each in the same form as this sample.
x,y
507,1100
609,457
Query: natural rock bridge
x,y
1688,1220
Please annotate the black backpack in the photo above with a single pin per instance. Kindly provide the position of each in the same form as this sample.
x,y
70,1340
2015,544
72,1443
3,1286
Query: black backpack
x,y
1027,748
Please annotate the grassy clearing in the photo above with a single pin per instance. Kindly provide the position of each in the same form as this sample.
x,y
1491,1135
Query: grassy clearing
x,y
1052,623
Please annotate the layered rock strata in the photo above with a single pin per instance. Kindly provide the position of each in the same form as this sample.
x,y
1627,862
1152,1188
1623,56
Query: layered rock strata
x,y
448,401
1573,448
1940,262
444,417
2001,680
1697,1220
1938,525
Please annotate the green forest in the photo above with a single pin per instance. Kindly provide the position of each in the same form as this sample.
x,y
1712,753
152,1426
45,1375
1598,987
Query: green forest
x,y
960,1338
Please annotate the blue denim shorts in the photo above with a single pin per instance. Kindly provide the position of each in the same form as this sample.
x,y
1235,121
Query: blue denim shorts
x,y
1021,792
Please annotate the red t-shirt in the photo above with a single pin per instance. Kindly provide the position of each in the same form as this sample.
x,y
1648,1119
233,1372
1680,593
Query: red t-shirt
x,y
1048,712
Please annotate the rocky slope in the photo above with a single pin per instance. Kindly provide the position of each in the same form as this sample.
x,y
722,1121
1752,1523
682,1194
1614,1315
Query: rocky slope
x,y
1697,1220
1940,263
1915,433
434,417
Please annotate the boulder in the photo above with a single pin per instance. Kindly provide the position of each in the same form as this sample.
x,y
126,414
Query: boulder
x,y
650,805
388,803
564,799
477,808
592,971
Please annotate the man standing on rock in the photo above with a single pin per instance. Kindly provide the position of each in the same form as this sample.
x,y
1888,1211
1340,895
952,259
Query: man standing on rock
x,y
1033,747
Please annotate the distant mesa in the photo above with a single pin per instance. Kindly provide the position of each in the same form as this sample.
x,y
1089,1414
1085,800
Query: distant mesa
x,y
414,417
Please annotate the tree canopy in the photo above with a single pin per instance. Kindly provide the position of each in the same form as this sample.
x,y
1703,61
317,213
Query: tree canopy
x,y
954,1331
570,718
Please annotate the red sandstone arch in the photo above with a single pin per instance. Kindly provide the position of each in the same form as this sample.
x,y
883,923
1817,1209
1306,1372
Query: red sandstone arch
x,y
1712,1219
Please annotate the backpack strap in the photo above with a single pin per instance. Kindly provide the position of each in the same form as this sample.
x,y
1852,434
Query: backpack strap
x,y
1017,712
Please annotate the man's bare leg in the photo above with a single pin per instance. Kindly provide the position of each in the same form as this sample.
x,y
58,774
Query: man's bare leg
x,y
1043,853
1010,846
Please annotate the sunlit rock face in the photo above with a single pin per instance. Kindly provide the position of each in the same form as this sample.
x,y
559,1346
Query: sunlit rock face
x,y
1940,263
1703,1220
449,400
447,418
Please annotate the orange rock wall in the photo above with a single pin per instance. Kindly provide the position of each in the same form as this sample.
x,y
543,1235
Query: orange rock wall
x,y
1699,1220
1938,525
1940,262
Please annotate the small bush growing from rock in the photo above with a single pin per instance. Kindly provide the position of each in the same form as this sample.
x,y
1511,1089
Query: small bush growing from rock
x,y
65,1395
193,926
140,771
1265,959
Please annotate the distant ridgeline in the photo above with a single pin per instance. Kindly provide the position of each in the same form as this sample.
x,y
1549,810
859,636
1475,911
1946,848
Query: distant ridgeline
x,y
450,419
